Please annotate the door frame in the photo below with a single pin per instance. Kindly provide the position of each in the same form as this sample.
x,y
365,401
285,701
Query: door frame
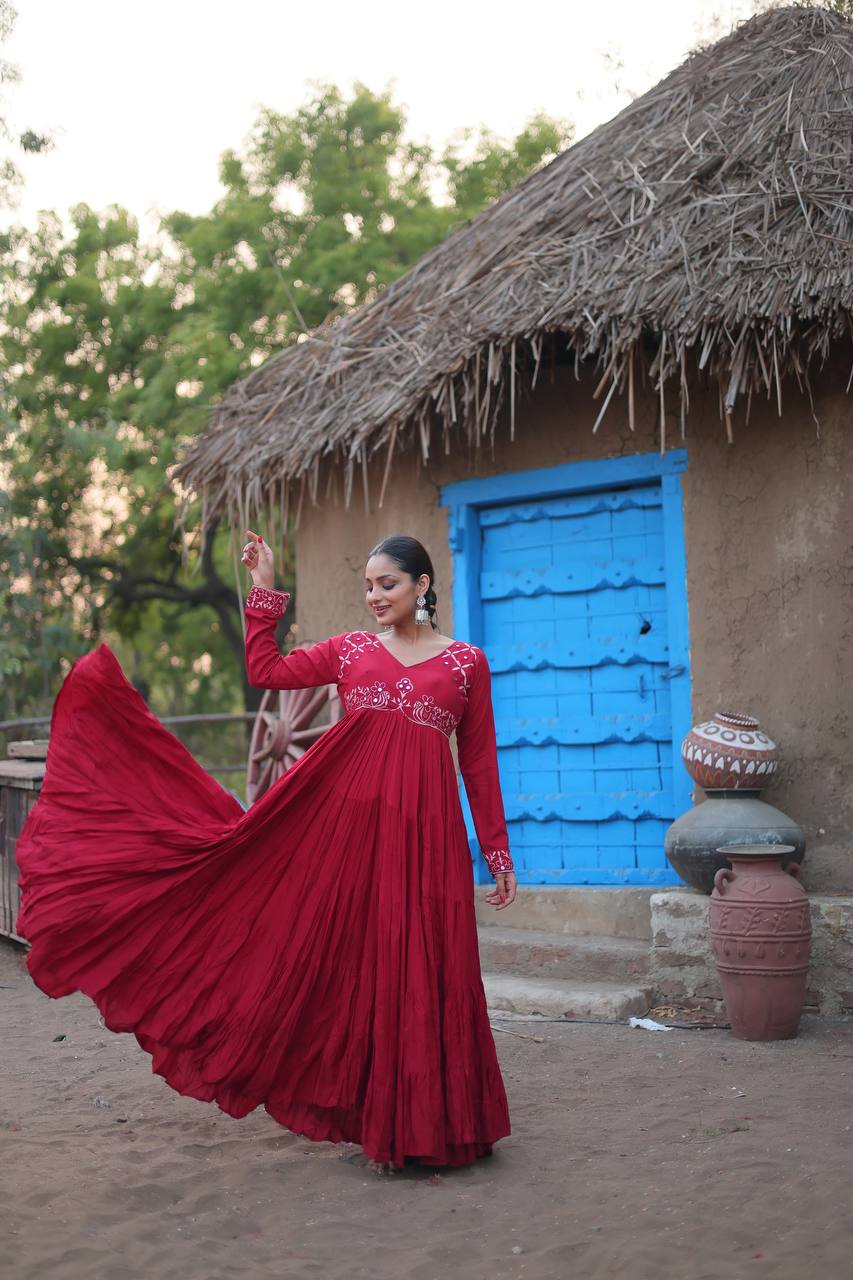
x,y
467,498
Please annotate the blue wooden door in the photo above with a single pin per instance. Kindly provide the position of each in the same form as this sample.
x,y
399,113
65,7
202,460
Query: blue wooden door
x,y
577,616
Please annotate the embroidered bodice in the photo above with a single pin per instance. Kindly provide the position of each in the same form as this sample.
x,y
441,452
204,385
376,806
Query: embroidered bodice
x,y
449,691
402,694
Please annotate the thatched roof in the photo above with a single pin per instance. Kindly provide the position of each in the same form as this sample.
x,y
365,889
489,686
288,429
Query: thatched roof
x,y
707,226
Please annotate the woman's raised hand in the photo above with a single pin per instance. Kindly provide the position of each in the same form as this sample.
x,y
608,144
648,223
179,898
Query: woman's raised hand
x,y
257,557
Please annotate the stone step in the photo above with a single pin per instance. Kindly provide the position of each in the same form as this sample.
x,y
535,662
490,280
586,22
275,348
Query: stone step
x,y
536,953
620,912
608,1001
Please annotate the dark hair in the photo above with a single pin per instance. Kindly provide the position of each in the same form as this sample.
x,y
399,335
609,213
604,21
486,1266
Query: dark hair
x,y
413,558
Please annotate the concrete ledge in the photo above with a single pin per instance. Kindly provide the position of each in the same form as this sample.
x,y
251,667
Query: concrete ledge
x,y
682,966
534,953
611,913
597,1000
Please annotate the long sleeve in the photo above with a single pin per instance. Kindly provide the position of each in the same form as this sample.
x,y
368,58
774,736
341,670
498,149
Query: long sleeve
x,y
478,764
266,666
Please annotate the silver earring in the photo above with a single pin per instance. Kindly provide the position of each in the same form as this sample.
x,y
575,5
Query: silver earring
x,y
421,615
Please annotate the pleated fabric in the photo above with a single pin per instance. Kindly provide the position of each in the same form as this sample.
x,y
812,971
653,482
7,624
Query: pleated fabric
x,y
315,955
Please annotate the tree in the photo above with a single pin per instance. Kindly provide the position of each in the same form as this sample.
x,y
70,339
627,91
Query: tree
x,y
844,8
17,611
28,139
113,350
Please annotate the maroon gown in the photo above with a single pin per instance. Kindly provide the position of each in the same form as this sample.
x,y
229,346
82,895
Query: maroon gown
x,y
315,954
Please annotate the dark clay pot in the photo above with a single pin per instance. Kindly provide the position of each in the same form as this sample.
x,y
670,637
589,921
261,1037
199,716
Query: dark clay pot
x,y
693,841
761,940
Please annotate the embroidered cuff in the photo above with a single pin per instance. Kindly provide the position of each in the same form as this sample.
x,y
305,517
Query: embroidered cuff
x,y
269,600
498,860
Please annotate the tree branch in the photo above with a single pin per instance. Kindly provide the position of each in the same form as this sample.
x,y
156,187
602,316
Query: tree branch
x,y
214,592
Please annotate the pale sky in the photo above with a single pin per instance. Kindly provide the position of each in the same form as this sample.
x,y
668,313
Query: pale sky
x,y
144,97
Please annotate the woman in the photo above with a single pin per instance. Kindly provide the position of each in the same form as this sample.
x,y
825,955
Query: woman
x,y
316,954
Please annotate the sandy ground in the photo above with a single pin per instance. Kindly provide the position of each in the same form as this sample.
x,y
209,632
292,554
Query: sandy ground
x,y
682,1155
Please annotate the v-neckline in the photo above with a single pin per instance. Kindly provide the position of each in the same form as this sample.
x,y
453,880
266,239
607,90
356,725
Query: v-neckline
x,y
407,666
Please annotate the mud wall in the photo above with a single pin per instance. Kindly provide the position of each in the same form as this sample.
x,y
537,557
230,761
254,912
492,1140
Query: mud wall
x,y
769,534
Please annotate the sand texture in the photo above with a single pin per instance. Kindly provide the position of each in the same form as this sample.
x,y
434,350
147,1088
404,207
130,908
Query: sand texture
x,y
684,1155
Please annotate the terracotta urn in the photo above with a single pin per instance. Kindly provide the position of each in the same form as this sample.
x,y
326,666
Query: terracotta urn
x,y
761,940
730,751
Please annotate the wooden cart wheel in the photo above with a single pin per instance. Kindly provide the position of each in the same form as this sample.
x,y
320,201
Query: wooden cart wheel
x,y
288,722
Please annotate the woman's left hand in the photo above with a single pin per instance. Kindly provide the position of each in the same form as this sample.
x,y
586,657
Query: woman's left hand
x,y
504,891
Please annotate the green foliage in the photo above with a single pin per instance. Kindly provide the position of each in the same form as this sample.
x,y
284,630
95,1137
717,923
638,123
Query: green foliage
x,y
844,8
113,350
28,139
490,170
36,625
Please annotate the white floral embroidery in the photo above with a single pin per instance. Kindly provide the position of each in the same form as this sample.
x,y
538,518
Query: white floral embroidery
x,y
378,697
268,599
427,711
354,645
460,657
498,860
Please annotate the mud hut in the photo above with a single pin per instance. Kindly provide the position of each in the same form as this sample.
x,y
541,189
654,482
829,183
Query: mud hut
x,y
615,406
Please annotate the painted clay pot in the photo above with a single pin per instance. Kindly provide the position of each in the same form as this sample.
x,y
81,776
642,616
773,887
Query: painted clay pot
x,y
692,842
761,940
730,751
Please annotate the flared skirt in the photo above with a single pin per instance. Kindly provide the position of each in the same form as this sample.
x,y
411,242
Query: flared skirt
x,y
315,954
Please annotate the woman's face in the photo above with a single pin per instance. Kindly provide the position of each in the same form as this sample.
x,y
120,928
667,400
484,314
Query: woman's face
x,y
390,592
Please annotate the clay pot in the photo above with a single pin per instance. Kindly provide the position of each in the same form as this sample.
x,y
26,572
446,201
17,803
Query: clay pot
x,y
692,842
729,752
761,940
